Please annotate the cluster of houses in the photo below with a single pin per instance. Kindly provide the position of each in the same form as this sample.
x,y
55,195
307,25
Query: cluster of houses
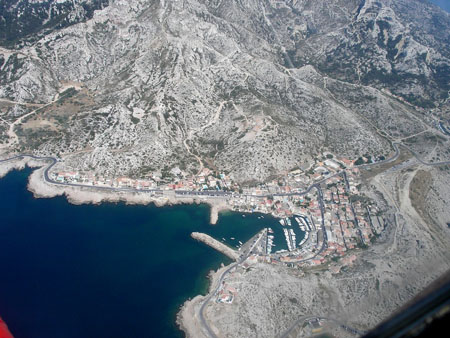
x,y
226,294
349,219
294,181
206,180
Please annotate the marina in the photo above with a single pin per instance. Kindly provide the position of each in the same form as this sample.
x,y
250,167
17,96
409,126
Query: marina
x,y
304,239
290,236
111,235
300,224
285,221
269,243
303,223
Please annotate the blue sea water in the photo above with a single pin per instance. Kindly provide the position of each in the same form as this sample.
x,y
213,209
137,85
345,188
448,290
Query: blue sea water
x,y
110,270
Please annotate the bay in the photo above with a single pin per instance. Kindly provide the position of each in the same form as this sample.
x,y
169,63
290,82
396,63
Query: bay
x,y
109,270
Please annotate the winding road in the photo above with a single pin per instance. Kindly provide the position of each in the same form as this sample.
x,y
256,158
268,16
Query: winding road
x,y
303,319
13,138
210,193
221,279
324,242
52,161
396,155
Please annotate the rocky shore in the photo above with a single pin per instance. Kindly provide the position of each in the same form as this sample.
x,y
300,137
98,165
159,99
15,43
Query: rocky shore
x,y
89,195
187,317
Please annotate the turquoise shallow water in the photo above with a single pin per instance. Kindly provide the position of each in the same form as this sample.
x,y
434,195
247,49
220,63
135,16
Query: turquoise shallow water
x,y
105,271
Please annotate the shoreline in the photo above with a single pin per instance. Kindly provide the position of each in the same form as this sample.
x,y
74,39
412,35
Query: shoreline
x,y
88,195
187,316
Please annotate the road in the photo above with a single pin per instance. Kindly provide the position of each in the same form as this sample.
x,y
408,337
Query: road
x,y
188,193
243,258
324,242
303,319
316,185
13,138
397,153
53,161
221,279
214,193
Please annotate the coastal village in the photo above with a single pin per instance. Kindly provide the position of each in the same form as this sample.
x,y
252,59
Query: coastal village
x,y
209,181
333,218
333,223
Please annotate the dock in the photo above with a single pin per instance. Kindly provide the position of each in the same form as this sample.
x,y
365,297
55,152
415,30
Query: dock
x,y
215,244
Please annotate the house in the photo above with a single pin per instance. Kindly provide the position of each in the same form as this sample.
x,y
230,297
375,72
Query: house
x,y
331,164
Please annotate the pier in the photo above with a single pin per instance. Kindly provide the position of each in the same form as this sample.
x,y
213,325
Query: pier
x,y
215,244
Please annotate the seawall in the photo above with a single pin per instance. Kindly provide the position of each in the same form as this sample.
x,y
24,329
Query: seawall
x,y
215,244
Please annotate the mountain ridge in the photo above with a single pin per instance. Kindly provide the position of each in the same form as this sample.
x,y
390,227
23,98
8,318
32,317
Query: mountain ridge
x,y
211,83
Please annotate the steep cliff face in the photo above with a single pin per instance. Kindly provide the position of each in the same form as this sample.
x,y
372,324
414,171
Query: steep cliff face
x,y
250,87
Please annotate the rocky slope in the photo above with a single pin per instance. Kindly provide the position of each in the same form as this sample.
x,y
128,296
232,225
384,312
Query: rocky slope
x,y
253,88
23,21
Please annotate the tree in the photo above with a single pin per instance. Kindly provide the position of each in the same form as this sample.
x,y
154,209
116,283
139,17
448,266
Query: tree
x,y
359,161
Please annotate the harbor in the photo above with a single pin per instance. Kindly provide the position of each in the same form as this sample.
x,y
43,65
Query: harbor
x,y
269,241
123,239
215,244
289,234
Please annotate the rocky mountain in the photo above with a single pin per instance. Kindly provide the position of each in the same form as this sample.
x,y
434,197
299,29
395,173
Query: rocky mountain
x,y
24,21
253,88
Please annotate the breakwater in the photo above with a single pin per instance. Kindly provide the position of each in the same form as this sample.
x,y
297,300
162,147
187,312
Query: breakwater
x,y
215,244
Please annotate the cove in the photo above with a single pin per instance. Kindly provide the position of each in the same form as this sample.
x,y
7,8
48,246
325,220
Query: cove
x,y
109,270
